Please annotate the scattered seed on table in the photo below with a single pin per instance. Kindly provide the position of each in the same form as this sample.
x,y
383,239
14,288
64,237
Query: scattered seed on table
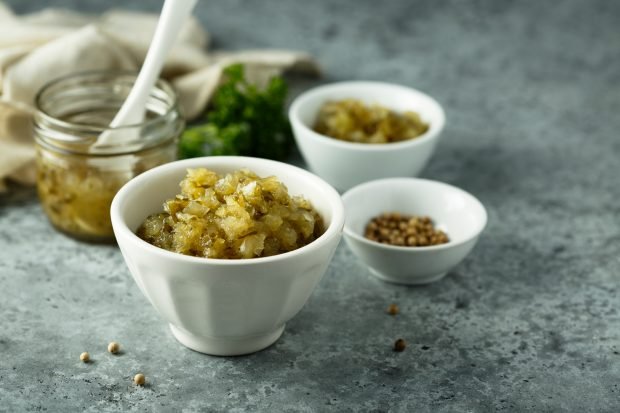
x,y
139,379
393,309
85,357
399,345
113,347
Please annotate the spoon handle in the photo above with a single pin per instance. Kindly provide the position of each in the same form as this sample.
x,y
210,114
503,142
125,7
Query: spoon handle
x,y
173,15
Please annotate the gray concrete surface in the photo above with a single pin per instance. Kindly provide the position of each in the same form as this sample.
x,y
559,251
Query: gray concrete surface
x,y
529,322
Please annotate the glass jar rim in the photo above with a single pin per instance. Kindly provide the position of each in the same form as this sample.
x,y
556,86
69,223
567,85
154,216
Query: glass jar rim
x,y
160,84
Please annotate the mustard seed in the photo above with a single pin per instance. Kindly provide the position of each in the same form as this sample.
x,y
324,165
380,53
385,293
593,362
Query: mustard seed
x,y
113,347
399,345
139,379
85,357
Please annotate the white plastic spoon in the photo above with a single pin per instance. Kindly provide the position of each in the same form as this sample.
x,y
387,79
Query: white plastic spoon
x,y
173,15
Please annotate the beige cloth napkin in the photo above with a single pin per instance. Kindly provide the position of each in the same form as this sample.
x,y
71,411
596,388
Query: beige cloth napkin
x,y
39,47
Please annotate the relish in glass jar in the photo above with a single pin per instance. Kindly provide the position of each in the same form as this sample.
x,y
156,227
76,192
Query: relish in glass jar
x,y
76,178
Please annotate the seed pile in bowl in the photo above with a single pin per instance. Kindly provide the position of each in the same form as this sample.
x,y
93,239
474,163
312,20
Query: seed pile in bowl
x,y
237,215
404,230
352,120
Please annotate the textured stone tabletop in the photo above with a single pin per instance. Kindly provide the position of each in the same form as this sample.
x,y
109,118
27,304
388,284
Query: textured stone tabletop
x,y
528,322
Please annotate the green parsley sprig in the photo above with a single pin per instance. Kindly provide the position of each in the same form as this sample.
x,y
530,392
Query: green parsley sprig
x,y
242,120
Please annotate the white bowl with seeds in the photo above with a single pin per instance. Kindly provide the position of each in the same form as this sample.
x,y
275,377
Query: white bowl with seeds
x,y
454,212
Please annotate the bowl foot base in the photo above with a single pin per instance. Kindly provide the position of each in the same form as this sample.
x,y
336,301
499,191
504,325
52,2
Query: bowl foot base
x,y
226,346
408,280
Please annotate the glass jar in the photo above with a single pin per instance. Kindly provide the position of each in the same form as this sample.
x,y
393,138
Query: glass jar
x,y
77,177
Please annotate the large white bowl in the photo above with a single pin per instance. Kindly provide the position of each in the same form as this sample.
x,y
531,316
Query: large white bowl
x,y
218,306
346,164
453,210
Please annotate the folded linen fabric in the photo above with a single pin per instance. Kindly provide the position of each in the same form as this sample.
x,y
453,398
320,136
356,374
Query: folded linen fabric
x,y
39,47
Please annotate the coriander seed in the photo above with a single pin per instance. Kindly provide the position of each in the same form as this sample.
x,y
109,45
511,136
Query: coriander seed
x,y
399,345
85,357
393,309
113,347
139,379
404,230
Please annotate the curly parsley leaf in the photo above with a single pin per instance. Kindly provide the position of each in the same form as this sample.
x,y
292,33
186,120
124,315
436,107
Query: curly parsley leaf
x,y
243,120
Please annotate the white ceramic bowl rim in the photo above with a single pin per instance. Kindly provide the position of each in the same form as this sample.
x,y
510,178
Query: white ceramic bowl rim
x,y
362,187
335,226
434,128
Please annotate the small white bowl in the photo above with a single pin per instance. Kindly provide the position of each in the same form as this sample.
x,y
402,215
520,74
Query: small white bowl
x,y
453,210
346,164
218,306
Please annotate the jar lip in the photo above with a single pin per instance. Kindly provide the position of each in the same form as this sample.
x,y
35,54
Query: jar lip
x,y
160,84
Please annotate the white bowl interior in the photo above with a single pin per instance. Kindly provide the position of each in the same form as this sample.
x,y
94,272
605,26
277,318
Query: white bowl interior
x,y
395,97
453,210
146,193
